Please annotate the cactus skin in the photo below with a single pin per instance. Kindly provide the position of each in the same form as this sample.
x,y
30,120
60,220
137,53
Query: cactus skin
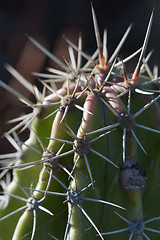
x,y
96,167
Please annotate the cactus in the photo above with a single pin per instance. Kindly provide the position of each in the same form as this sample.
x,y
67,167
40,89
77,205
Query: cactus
x,y
91,165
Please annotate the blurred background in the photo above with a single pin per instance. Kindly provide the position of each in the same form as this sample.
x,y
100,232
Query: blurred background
x,y
47,21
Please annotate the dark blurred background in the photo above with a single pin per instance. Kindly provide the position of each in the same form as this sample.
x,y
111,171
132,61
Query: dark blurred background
x,y
48,20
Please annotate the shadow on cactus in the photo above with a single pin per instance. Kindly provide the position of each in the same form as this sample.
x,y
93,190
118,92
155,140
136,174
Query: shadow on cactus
x,y
94,142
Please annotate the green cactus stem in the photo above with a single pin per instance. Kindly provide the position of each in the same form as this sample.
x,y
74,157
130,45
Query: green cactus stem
x,y
90,168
